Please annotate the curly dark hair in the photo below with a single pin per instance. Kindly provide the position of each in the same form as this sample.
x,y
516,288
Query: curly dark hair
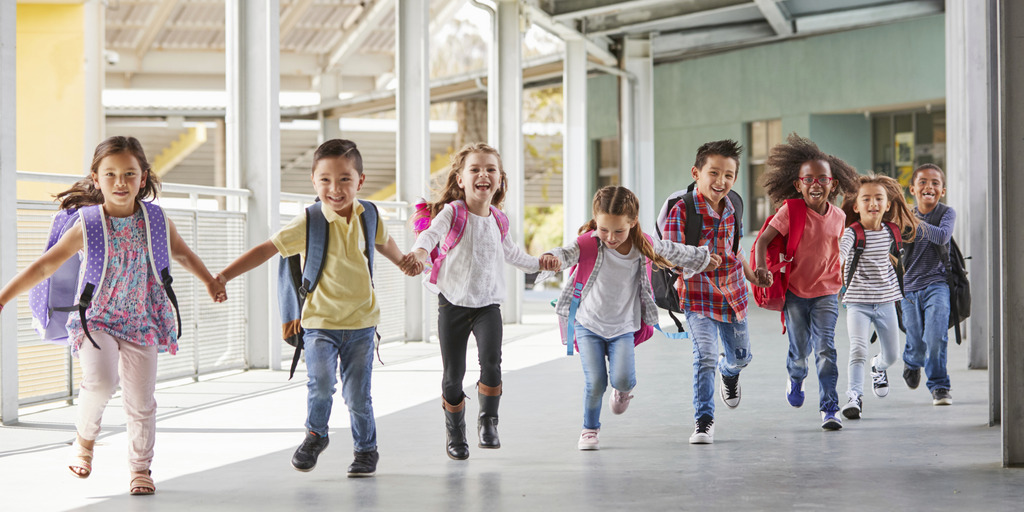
x,y
785,160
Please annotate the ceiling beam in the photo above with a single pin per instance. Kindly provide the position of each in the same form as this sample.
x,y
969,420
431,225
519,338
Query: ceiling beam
x,y
204,63
772,12
543,20
867,16
609,8
733,14
154,25
684,42
361,30
292,17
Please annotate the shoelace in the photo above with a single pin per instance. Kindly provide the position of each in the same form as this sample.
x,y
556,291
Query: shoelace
x,y
703,426
589,436
879,379
730,388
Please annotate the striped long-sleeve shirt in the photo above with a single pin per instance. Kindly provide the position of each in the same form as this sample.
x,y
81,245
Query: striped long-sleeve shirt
x,y
874,280
924,268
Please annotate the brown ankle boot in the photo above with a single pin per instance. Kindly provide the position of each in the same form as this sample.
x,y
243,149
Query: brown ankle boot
x,y
487,424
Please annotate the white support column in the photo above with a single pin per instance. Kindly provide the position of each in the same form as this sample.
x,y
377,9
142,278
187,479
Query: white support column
x,y
330,85
412,101
8,215
576,180
638,176
254,159
95,77
508,112
1010,27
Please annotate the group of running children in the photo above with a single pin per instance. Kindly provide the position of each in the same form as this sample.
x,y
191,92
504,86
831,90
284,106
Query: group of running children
x,y
131,319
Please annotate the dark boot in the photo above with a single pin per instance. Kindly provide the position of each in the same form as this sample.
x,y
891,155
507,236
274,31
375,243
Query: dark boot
x,y
455,425
487,424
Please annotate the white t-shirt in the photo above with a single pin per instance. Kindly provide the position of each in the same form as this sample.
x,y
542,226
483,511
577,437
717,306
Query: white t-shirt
x,y
612,307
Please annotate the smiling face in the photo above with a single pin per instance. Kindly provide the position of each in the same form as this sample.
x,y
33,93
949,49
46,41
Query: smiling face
x,y
716,178
927,188
336,181
613,230
479,177
815,184
119,177
872,203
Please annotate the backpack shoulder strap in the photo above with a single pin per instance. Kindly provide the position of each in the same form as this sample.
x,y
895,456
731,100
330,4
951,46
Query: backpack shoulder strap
x,y
451,239
159,245
584,267
501,219
369,221
94,231
897,250
859,241
316,249
737,206
694,220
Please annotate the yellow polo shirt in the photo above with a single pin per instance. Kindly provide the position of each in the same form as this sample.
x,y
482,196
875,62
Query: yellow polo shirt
x,y
344,297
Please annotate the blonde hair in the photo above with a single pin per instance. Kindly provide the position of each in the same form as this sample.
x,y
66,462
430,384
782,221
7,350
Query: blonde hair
x,y
899,212
451,190
613,200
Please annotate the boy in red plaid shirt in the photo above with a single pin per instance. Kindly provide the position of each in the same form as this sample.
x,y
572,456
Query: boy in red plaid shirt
x,y
715,303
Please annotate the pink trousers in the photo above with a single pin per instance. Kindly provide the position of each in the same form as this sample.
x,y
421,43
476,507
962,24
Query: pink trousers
x,y
101,369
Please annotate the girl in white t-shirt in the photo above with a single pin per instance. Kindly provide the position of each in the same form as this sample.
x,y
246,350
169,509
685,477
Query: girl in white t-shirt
x,y
878,214
609,314
470,283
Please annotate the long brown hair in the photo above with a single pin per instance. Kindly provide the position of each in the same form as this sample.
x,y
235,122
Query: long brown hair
x,y
899,212
451,191
613,200
84,191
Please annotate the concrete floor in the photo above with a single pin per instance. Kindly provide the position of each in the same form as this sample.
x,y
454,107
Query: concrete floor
x,y
225,443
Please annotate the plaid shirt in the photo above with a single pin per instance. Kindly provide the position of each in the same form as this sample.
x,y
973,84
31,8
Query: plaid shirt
x,y
721,294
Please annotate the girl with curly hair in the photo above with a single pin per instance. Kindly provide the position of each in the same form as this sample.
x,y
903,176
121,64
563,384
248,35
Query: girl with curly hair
x,y
807,180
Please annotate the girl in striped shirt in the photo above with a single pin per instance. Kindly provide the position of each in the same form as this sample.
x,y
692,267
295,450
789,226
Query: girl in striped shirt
x,y
879,214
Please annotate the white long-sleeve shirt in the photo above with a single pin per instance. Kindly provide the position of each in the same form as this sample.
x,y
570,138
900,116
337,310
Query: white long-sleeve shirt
x,y
472,275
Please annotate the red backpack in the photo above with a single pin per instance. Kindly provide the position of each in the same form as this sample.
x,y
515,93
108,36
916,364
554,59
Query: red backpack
x,y
779,257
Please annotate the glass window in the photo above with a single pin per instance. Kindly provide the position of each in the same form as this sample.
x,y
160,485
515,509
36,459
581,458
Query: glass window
x,y
762,137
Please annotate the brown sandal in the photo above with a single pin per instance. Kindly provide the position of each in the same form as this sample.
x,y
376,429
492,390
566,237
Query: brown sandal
x,y
142,483
81,460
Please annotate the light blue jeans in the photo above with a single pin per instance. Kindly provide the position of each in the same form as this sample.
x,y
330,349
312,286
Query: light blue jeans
x,y
325,348
594,349
926,317
859,318
811,324
736,347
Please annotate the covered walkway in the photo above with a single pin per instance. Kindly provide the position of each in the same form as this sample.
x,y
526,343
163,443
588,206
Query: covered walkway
x,y
225,443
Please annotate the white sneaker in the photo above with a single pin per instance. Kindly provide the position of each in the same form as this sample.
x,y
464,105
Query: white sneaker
x,y
879,380
619,401
588,439
704,433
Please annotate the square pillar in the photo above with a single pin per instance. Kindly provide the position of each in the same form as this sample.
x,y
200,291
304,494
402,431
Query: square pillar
x,y
8,215
506,116
575,172
637,133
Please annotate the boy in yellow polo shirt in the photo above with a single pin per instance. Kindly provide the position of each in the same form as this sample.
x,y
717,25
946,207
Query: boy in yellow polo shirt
x,y
340,316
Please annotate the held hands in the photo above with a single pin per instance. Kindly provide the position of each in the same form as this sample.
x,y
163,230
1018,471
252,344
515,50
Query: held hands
x,y
548,261
762,278
715,261
412,264
216,288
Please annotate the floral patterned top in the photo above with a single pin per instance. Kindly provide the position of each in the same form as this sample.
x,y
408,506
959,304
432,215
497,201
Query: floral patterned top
x,y
130,304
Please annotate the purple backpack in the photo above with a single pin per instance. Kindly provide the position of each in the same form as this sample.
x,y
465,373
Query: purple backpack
x,y
53,299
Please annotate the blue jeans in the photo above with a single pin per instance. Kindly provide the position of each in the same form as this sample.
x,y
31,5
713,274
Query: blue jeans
x,y
811,324
926,318
736,347
353,348
621,367
859,318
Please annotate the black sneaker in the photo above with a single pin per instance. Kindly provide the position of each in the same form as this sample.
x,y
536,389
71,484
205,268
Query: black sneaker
x,y
731,391
307,453
941,396
879,382
365,464
912,377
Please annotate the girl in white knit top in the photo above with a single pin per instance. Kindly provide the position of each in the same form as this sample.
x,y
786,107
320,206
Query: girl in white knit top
x,y
469,229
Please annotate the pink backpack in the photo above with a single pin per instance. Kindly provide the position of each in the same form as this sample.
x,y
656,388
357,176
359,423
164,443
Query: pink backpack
x,y
580,274
461,214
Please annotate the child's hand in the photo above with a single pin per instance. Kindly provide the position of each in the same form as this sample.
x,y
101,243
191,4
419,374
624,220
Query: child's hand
x,y
715,261
216,288
411,265
763,278
550,262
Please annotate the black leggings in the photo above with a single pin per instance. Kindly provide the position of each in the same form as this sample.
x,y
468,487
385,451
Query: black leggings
x,y
454,323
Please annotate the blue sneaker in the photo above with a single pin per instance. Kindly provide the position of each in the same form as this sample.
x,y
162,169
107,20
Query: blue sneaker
x,y
829,421
794,392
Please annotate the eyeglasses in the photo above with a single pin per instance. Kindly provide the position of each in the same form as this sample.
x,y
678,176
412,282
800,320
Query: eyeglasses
x,y
821,180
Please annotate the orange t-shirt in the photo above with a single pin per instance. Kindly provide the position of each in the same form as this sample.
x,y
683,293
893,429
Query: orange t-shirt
x,y
815,269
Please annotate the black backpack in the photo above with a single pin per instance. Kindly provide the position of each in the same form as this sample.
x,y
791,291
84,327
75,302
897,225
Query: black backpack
x,y
663,280
956,278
